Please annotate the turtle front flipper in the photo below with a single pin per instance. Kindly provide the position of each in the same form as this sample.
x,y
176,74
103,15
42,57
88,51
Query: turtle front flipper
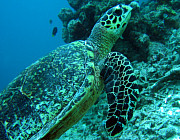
x,y
122,91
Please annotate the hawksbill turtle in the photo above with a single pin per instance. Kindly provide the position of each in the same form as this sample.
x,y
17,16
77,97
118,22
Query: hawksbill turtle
x,y
56,91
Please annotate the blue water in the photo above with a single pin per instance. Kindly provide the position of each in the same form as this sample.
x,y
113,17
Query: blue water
x,y
25,34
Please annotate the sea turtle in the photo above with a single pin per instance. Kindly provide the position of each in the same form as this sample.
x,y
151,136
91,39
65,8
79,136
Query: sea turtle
x,y
56,91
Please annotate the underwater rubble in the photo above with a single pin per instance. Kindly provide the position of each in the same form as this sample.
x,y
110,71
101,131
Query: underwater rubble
x,y
152,43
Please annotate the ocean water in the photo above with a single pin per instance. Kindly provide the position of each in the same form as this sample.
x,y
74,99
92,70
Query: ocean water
x,y
26,34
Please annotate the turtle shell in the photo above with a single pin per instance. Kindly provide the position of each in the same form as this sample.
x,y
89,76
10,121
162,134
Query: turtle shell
x,y
51,95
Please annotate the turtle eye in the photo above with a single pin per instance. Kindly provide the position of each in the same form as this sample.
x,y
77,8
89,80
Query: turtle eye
x,y
118,12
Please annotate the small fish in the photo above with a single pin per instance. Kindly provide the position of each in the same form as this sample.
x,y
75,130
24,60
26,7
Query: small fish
x,y
54,31
50,21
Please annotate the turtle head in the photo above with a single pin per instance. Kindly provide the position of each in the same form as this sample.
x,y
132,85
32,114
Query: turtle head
x,y
109,28
115,20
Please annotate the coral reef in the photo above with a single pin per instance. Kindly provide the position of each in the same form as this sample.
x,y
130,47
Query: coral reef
x,y
66,14
152,43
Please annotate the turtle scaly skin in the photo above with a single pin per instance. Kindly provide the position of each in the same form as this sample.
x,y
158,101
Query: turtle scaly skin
x,y
56,91
122,91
